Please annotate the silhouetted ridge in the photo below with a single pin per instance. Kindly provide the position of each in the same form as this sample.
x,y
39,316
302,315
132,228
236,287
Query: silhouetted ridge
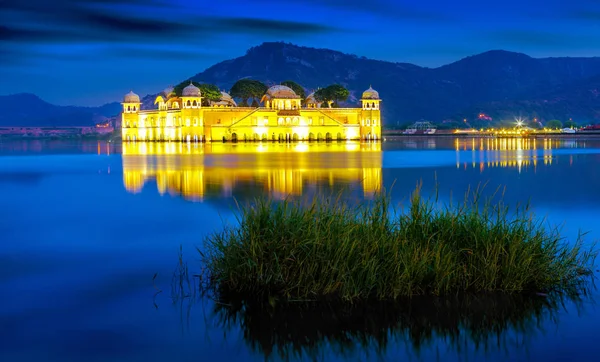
x,y
26,109
500,83
489,82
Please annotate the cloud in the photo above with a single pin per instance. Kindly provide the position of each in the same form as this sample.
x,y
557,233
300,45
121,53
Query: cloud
x,y
35,23
269,27
76,20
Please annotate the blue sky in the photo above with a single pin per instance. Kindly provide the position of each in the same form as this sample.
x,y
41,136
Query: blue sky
x,y
92,52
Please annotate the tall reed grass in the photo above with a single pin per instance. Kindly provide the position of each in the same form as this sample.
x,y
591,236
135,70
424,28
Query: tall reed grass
x,y
329,249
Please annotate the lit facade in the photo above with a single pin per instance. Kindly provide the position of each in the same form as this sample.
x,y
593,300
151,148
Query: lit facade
x,y
282,117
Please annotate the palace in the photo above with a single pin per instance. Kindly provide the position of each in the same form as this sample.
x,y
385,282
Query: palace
x,y
282,117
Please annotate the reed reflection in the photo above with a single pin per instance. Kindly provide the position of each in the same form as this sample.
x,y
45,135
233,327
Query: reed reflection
x,y
509,152
197,171
465,325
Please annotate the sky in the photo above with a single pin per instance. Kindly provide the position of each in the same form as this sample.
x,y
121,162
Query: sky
x,y
76,52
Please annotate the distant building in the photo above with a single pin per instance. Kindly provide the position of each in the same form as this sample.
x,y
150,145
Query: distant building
x,y
280,118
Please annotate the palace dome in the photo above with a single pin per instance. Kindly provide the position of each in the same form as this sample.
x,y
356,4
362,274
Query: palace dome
x,y
131,98
370,94
169,91
281,91
225,101
191,91
225,97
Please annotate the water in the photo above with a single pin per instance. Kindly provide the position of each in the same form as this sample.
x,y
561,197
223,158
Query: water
x,y
90,232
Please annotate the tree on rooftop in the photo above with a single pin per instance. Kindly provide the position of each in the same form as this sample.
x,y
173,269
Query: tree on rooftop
x,y
297,88
245,89
333,93
209,92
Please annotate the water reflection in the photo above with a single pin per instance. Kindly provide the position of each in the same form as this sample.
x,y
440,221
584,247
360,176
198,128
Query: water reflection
x,y
465,325
510,152
224,170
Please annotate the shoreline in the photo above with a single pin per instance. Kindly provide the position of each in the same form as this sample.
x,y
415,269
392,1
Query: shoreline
x,y
462,135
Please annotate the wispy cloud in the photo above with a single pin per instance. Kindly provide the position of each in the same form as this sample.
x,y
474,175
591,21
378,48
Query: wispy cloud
x,y
75,20
38,23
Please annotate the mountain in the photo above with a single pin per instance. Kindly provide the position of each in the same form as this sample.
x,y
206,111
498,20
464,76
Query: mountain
x,y
26,109
498,83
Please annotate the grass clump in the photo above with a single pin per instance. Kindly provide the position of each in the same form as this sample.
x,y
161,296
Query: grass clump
x,y
330,249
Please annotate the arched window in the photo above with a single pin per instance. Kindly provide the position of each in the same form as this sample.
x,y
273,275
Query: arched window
x,y
128,108
280,121
134,108
187,122
195,121
194,104
374,122
373,105
368,122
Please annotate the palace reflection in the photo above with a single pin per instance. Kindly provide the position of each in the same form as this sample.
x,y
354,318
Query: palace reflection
x,y
509,152
197,171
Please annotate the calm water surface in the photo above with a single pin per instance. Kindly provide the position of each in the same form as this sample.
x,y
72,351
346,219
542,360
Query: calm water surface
x,y
86,226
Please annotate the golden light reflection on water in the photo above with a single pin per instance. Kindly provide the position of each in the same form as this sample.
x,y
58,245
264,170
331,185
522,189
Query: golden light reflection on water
x,y
196,171
509,152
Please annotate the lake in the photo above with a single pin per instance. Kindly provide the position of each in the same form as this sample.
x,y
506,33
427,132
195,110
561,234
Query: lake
x,y
91,234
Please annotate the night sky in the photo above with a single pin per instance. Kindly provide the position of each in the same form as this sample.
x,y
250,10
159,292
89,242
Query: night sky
x,y
92,52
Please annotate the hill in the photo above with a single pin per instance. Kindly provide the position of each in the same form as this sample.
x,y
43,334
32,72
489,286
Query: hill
x,y
496,82
26,109
499,83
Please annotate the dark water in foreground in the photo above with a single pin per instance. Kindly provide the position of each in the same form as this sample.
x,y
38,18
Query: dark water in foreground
x,y
84,227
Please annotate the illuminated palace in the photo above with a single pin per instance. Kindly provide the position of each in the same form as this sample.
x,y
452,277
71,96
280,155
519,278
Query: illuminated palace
x,y
197,171
282,117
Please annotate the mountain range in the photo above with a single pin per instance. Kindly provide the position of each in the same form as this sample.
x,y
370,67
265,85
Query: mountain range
x,y
25,109
499,83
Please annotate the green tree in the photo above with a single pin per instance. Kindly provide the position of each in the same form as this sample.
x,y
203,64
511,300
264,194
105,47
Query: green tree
x,y
209,92
339,93
246,89
570,124
297,88
333,93
554,124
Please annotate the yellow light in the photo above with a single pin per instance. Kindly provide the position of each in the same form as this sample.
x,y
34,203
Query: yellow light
x,y
301,131
301,147
352,133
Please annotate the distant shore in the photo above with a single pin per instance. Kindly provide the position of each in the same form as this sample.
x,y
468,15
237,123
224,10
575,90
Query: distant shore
x,y
58,137
399,134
